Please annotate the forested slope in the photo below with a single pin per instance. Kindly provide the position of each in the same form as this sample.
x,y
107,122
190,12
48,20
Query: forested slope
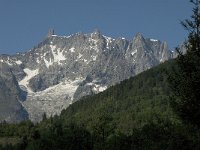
x,y
134,114
130,104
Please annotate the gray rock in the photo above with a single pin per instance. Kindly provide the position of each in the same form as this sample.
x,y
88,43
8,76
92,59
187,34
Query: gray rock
x,y
11,97
62,69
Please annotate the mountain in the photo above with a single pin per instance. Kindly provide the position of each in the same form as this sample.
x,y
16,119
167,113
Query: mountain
x,y
134,114
11,97
62,69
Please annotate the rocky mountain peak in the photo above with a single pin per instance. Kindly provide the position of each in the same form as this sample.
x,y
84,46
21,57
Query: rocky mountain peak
x,y
139,39
139,36
96,34
50,33
62,69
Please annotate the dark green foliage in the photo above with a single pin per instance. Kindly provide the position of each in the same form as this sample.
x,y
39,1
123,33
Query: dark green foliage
x,y
185,79
128,105
134,114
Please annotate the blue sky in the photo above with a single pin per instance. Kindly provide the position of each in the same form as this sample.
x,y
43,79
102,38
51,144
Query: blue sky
x,y
24,23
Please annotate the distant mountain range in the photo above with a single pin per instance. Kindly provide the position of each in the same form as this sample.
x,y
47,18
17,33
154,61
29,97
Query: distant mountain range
x,y
62,69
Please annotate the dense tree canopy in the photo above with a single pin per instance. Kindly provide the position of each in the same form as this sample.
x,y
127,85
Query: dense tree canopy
x,y
185,78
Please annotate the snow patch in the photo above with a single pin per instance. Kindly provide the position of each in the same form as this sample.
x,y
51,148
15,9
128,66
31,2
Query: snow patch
x,y
96,87
94,44
108,41
80,55
18,62
63,36
53,47
99,88
69,87
94,58
102,88
90,84
9,63
72,49
153,40
134,52
29,74
48,63
58,55
37,60
47,100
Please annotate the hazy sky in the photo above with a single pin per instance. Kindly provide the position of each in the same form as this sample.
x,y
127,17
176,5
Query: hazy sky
x,y
24,23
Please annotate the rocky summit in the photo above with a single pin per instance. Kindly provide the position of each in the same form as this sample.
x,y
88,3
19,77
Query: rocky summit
x,y
62,69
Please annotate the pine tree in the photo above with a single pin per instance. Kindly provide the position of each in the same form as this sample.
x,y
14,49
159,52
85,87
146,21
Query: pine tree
x,y
185,79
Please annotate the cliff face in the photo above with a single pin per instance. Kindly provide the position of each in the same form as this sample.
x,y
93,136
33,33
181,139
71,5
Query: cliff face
x,y
11,97
62,69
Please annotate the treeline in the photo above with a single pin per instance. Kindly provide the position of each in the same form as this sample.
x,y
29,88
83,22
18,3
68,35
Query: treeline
x,y
73,137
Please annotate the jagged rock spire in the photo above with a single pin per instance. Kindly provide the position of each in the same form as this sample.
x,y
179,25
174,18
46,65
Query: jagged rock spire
x,y
96,33
139,36
51,32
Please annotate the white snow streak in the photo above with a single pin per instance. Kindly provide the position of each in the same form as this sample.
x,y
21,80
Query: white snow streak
x,y
97,88
29,74
48,63
102,88
18,62
51,100
57,56
134,52
80,55
94,58
108,41
153,40
72,49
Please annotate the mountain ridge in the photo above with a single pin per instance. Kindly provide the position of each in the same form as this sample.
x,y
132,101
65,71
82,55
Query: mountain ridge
x,y
70,67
